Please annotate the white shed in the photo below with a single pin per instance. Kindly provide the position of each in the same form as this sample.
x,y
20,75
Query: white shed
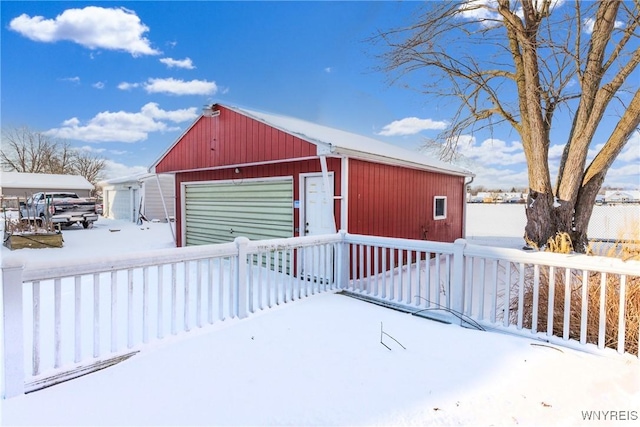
x,y
124,198
20,183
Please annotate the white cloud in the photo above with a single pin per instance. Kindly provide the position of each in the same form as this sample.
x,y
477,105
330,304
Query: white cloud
x,y
480,10
494,152
92,27
98,85
631,152
627,176
118,152
486,11
123,126
117,170
328,70
128,86
90,149
499,178
587,25
75,79
177,116
555,151
498,164
180,87
71,122
465,141
178,63
411,126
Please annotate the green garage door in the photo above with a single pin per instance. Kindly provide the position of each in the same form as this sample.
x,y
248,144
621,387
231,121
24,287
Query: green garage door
x,y
220,212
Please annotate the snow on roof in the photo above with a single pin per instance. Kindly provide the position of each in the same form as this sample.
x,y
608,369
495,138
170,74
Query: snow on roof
x,y
331,141
335,141
622,194
129,178
44,181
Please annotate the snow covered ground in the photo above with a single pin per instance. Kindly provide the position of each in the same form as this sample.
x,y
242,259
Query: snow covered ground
x,y
319,361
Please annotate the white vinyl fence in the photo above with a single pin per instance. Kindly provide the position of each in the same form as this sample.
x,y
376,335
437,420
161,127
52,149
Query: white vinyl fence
x,y
61,321
586,302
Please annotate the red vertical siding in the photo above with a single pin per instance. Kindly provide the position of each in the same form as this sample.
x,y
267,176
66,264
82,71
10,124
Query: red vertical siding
x,y
230,139
383,200
393,201
263,171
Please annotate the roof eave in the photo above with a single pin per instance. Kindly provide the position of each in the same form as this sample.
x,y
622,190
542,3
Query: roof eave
x,y
399,162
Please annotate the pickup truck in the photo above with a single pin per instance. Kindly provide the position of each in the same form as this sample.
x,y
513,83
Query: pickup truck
x,y
60,208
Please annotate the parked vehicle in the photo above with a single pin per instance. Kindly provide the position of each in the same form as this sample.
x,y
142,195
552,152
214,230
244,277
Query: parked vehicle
x,y
100,206
65,209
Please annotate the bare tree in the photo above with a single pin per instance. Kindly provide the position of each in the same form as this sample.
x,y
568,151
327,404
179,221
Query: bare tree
x,y
25,150
89,165
63,161
537,57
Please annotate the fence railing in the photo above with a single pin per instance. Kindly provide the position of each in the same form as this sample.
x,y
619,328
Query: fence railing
x,y
61,321
586,302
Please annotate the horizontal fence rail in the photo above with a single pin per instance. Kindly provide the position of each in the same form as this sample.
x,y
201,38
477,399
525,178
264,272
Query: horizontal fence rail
x,y
61,321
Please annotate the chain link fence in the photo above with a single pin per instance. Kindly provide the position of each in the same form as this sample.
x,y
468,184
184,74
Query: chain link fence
x,y
615,222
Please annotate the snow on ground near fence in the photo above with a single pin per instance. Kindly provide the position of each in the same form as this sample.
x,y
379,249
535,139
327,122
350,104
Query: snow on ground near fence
x,y
320,361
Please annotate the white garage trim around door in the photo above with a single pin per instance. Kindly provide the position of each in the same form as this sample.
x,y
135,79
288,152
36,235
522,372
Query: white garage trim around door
x,y
220,211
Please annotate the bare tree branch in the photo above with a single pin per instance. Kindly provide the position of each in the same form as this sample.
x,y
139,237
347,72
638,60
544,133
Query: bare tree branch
x,y
24,150
533,53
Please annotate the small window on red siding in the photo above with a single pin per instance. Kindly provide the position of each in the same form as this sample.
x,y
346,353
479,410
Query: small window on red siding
x,y
439,207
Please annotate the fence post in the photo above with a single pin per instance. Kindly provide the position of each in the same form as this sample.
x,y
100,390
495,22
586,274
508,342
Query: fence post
x,y
457,282
241,276
12,328
343,262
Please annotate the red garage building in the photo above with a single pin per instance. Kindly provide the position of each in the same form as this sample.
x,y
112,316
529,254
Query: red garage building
x,y
246,173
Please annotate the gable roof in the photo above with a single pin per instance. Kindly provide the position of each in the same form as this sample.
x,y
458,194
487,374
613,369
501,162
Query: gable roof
x,y
335,142
44,181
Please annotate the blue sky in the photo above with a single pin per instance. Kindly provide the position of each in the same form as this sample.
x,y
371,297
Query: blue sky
x,y
125,79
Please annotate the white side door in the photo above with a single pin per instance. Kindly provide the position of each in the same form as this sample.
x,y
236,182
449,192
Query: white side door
x,y
317,219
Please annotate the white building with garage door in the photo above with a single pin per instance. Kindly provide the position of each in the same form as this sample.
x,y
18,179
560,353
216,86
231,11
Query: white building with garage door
x,y
151,195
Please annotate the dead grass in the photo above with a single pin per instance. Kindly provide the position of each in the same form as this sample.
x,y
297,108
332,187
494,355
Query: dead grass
x,y
627,245
631,306
14,225
626,248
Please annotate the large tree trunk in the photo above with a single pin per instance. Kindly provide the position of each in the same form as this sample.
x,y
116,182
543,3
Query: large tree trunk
x,y
584,208
547,216
540,221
